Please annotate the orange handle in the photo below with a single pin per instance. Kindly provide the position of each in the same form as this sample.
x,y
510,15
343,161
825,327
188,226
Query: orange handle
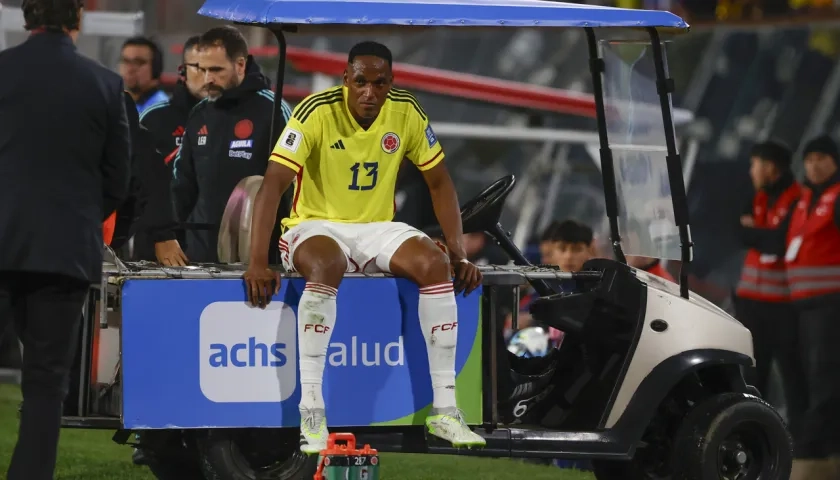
x,y
347,437
108,227
366,450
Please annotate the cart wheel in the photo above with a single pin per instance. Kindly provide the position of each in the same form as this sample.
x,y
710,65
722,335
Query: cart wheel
x,y
254,454
732,436
170,456
172,468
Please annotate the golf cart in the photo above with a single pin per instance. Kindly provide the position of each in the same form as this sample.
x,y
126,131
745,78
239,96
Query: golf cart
x,y
647,383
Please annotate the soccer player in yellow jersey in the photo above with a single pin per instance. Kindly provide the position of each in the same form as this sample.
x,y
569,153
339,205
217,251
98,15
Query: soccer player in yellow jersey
x,y
342,149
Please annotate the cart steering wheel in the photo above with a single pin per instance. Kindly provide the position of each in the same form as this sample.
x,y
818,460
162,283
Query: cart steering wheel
x,y
482,212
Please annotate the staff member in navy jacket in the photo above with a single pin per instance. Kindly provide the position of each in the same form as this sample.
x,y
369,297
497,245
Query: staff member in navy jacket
x,y
64,167
226,138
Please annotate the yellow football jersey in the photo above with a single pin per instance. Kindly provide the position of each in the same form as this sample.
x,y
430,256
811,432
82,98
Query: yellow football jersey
x,y
344,172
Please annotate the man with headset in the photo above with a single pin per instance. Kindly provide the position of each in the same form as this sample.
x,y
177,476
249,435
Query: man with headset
x,y
226,138
141,65
166,119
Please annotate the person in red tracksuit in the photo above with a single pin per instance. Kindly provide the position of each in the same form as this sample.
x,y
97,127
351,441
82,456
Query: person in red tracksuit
x,y
762,298
650,265
812,260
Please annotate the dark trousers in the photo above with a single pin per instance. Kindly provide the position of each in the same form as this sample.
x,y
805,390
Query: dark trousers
x,y
46,312
820,347
775,331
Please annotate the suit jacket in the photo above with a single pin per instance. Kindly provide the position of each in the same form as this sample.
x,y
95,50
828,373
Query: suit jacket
x,y
64,157
147,212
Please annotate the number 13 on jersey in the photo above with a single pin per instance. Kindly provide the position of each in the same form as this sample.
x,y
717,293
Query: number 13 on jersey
x,y
369,171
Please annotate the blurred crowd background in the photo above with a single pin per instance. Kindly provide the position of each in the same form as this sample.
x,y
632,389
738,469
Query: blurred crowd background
x,y
751,70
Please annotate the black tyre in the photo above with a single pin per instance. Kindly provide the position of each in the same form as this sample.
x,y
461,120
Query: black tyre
x,y
170,455
254,454
732,437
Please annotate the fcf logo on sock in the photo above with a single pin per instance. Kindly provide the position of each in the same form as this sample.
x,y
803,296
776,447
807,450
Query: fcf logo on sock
x,y
248,354
445,327
316,328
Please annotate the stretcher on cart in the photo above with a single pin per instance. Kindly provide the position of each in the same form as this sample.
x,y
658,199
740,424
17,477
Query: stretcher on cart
x,y
647,382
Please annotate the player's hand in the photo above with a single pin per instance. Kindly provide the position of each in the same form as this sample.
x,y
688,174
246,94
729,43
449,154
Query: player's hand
x,y
169,254
467,276
261,283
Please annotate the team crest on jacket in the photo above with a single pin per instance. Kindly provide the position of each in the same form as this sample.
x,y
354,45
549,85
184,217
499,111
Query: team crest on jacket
x,y
243,129
390,142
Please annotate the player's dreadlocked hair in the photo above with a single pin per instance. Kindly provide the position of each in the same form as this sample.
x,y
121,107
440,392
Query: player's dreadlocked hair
x,y
373,49
52,15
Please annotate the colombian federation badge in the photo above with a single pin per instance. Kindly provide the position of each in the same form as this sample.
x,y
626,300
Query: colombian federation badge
x,y
390,142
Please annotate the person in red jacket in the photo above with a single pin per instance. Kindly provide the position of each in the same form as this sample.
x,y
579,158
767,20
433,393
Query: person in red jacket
x,y
762,298
650,265
812,261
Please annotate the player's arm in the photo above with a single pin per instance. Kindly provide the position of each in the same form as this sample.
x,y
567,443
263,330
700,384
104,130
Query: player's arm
x,y
286,162
447,210
425,152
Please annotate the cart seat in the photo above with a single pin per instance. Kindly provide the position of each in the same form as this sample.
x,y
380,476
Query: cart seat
x,y
235,230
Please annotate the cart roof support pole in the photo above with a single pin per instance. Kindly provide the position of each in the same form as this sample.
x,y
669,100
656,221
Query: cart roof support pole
x,y
596,66
664,87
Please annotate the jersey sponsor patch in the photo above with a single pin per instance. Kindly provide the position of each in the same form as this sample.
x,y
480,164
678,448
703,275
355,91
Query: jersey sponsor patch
x,y
430,136
240,154
291,140
390,142
242,144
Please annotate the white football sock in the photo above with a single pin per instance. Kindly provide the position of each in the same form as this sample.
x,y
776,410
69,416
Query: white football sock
x,y
316,320
439,322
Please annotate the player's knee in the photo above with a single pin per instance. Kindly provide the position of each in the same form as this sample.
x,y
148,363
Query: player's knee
x,y
322,266
328,271
432,268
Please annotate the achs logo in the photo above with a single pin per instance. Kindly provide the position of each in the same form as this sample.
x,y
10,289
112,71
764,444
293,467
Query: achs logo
x,y
390,142
202,135
247,354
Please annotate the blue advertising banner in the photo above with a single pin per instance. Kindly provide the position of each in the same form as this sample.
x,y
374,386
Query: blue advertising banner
x,y
196,355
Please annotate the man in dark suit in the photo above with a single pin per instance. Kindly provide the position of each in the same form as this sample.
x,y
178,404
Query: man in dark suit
x,y
64,167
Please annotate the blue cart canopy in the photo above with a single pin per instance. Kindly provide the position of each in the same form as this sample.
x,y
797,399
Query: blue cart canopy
x,y
436,13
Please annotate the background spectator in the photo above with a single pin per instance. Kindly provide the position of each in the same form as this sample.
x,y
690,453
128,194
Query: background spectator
x,y
141,65
762,301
